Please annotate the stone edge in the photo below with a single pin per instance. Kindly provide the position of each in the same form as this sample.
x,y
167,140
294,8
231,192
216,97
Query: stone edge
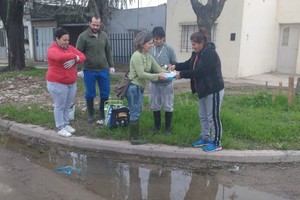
x,y
26,131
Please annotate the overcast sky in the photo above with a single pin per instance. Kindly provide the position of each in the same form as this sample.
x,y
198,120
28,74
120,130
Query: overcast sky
x,y
146,3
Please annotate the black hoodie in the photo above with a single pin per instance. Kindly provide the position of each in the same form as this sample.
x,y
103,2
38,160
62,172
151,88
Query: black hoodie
x,y
206,78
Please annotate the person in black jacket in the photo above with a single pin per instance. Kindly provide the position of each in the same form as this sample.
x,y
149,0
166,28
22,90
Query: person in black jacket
x,y
204,70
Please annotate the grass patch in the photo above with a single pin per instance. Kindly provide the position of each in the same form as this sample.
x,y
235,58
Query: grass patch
x,y
259,121
27,72
250,121
30,113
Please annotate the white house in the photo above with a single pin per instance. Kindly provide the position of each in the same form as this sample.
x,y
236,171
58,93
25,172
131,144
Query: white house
x,y
3,42
251,36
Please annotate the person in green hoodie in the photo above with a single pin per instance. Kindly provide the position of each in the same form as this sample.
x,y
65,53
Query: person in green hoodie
x,y
143,68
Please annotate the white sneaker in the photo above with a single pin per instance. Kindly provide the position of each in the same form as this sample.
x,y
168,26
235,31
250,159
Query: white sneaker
x,y
70,129
64,133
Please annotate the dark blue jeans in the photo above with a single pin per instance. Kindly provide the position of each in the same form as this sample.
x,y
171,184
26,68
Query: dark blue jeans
x,y
102,78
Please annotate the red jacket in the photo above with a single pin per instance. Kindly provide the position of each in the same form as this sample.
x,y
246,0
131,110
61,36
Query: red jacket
x,y
57,56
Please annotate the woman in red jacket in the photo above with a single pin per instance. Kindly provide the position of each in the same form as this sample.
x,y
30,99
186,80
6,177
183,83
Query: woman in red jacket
x,y
61,78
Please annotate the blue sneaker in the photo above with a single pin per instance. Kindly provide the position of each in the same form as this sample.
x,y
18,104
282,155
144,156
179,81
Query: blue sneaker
x,y
201,143
212,148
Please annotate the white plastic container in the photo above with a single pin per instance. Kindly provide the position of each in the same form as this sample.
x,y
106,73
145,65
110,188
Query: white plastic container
x,y
72,111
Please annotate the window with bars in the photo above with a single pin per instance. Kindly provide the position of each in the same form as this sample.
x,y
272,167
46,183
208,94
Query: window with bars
x,y
36,35
26,34
285,36
187,31
2,38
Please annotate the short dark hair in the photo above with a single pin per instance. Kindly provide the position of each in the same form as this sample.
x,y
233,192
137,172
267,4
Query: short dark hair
x,y
158,31
58,33
96,17
140,39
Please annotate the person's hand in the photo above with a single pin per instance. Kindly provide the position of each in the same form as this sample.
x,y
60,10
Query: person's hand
x,y
178,75
171,68
69,64
162,77
77,58
80,74
112,70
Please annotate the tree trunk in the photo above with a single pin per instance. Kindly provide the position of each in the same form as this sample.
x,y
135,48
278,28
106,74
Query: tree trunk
x,y
11,13
103,9
207,14
15,35
94,8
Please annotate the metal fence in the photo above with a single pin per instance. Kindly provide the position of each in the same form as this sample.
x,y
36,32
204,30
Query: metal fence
x,y
122,46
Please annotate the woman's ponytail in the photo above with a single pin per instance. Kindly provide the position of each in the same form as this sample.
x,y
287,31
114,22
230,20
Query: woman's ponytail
x,y
204,32
201,36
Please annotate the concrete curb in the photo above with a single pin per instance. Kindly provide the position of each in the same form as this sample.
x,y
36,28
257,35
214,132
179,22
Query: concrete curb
x,y
25,131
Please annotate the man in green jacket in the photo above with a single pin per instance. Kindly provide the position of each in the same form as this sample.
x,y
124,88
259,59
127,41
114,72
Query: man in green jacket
x,y
99,64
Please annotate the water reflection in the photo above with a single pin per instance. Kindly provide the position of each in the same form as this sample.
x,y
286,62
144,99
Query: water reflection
x,y
204,186
117,179
69,162
180,183
122,181
120,178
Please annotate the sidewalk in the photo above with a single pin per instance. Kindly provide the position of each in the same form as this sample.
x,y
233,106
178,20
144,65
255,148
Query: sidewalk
x,y
25,131
3,62
272,79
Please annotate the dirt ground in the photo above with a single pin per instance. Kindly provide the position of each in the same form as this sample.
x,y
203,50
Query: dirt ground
x,y
21,89
20,179
280,179
25,175
25,90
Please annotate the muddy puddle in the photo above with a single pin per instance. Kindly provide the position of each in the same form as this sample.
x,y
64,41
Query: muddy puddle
x,y
115,176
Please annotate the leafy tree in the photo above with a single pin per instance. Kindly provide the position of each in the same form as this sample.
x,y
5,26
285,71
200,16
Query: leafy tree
x,y
11,13
207,14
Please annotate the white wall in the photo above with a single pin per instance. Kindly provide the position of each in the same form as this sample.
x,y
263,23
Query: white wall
x,y
289,13
258,46
230,21
178,12
3,49
28,48
30,39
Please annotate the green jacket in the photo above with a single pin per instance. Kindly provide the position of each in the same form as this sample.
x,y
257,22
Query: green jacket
x,y
143,67
97,50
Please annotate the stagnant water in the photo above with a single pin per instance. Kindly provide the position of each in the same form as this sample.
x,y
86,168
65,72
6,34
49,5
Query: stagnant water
x,y
114,176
